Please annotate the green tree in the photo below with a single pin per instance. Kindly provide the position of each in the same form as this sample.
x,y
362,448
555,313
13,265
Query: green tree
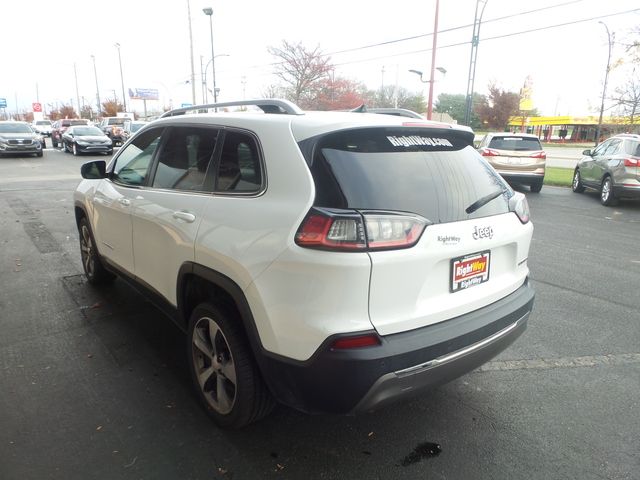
x,y
390,96
455,104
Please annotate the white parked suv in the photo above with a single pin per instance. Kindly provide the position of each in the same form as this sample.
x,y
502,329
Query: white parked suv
x,y
330,261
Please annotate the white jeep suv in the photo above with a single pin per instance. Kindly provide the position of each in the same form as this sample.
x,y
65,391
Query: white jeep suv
x,y
330,261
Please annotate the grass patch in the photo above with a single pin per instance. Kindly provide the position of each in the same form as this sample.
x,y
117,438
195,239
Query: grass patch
x,y
560,177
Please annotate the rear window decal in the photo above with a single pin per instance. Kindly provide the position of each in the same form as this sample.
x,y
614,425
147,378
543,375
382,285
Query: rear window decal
x,y
413,140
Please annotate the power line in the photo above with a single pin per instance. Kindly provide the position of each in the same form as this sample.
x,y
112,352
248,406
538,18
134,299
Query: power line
x,y
548,27
446,30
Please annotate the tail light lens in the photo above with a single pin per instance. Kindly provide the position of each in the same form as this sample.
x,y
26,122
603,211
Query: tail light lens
x,y
489,152
518,205
348,230
631,162
540,154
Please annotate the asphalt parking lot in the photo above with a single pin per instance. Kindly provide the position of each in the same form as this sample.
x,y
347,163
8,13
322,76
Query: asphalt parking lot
x,y
94,383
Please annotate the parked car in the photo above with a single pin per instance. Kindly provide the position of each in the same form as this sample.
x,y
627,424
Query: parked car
x,y
518,157
276,242
113,127
612,168
19,138
79,139
59,127
131,127
43,127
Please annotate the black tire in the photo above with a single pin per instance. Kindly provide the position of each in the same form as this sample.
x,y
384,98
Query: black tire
x,y
607,198
536,187
54,142
223,370
93,269
577,185
39,154
74,150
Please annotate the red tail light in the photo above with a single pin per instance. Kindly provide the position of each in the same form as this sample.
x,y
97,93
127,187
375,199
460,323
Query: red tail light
x,y
489,152
361,341
349,230
540,154
631,162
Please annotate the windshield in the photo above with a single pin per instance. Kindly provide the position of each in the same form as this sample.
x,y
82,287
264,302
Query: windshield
x,y
15,128
84,131
43,122
373,170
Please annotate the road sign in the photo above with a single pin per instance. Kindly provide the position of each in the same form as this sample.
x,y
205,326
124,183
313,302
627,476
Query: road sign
x,y
184,105
37,107
3,103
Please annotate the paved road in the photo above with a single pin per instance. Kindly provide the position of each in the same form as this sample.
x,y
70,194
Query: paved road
x,y
93,383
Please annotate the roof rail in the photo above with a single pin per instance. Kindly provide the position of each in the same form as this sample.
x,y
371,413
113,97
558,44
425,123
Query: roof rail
x,y
268,105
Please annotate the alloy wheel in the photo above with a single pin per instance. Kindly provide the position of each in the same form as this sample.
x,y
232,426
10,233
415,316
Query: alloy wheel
x,y
86,252
214,365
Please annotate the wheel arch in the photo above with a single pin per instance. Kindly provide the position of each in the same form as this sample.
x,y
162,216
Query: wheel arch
x,y
197,283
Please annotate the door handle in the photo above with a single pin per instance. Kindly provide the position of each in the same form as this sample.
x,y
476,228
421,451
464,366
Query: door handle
x,y
124,201
185,216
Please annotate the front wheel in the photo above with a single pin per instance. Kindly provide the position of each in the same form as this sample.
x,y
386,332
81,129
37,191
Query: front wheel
x,y
75,149
54,142
607,197
223,370
93,269
577,185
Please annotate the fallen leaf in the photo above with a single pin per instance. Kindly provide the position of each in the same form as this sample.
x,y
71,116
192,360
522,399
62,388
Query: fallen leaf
x,y
99,428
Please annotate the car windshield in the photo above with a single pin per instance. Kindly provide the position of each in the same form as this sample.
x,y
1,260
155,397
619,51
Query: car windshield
x,y
43,122
85,131
15,128
136,126
515,143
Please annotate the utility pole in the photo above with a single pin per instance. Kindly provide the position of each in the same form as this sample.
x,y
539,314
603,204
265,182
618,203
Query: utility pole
x,y
75,74
475,40
193,75
95,73
610,38
433,62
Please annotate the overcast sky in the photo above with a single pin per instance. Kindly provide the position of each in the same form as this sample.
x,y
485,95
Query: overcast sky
x,y
41,40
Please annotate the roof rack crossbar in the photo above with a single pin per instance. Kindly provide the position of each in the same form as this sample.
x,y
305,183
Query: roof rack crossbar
x,y
267,105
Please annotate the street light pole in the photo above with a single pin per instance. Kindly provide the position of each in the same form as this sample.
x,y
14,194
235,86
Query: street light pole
x,y
193,74
433,62
209,12
443,71
606,78
95,73
124,98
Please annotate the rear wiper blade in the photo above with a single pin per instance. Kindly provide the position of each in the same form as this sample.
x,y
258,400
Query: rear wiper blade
x,y
483,201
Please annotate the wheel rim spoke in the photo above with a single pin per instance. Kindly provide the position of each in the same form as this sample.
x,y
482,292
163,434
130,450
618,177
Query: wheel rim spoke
x,y
229,372
205,375
224,401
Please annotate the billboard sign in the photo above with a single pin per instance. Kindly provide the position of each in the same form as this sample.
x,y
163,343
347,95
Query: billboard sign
x,y
143,94
36,107
3,103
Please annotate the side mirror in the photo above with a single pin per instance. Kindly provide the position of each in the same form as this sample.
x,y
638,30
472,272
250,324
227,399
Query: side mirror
x,y
587,152
94,170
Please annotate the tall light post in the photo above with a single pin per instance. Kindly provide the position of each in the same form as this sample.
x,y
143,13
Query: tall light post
x,y
431,81
433,62
475,41
204,77
209,12
606,79
193,73
95,72
124,98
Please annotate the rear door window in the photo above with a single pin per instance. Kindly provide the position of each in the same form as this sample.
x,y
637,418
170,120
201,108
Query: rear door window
x,y
433,173
240,169
515,143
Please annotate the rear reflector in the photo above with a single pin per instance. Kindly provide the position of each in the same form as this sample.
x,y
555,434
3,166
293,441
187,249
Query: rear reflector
x,y
631,162
488,152
362,341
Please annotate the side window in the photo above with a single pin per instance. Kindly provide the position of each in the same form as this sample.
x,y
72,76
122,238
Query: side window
x,y
599,150
184,159
612,149
240,169
132,165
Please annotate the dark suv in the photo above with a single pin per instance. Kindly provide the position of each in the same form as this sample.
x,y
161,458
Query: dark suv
x,y
612,168
59,127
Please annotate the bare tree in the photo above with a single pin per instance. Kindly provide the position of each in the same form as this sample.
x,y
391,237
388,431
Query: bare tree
x,y
627,97
67,111
300,69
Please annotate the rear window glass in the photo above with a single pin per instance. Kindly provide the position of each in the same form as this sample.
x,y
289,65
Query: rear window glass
x,y
515,143
433,173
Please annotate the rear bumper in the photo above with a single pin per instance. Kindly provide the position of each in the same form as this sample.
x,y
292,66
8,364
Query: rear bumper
x,y
525,178
352,381
623,191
